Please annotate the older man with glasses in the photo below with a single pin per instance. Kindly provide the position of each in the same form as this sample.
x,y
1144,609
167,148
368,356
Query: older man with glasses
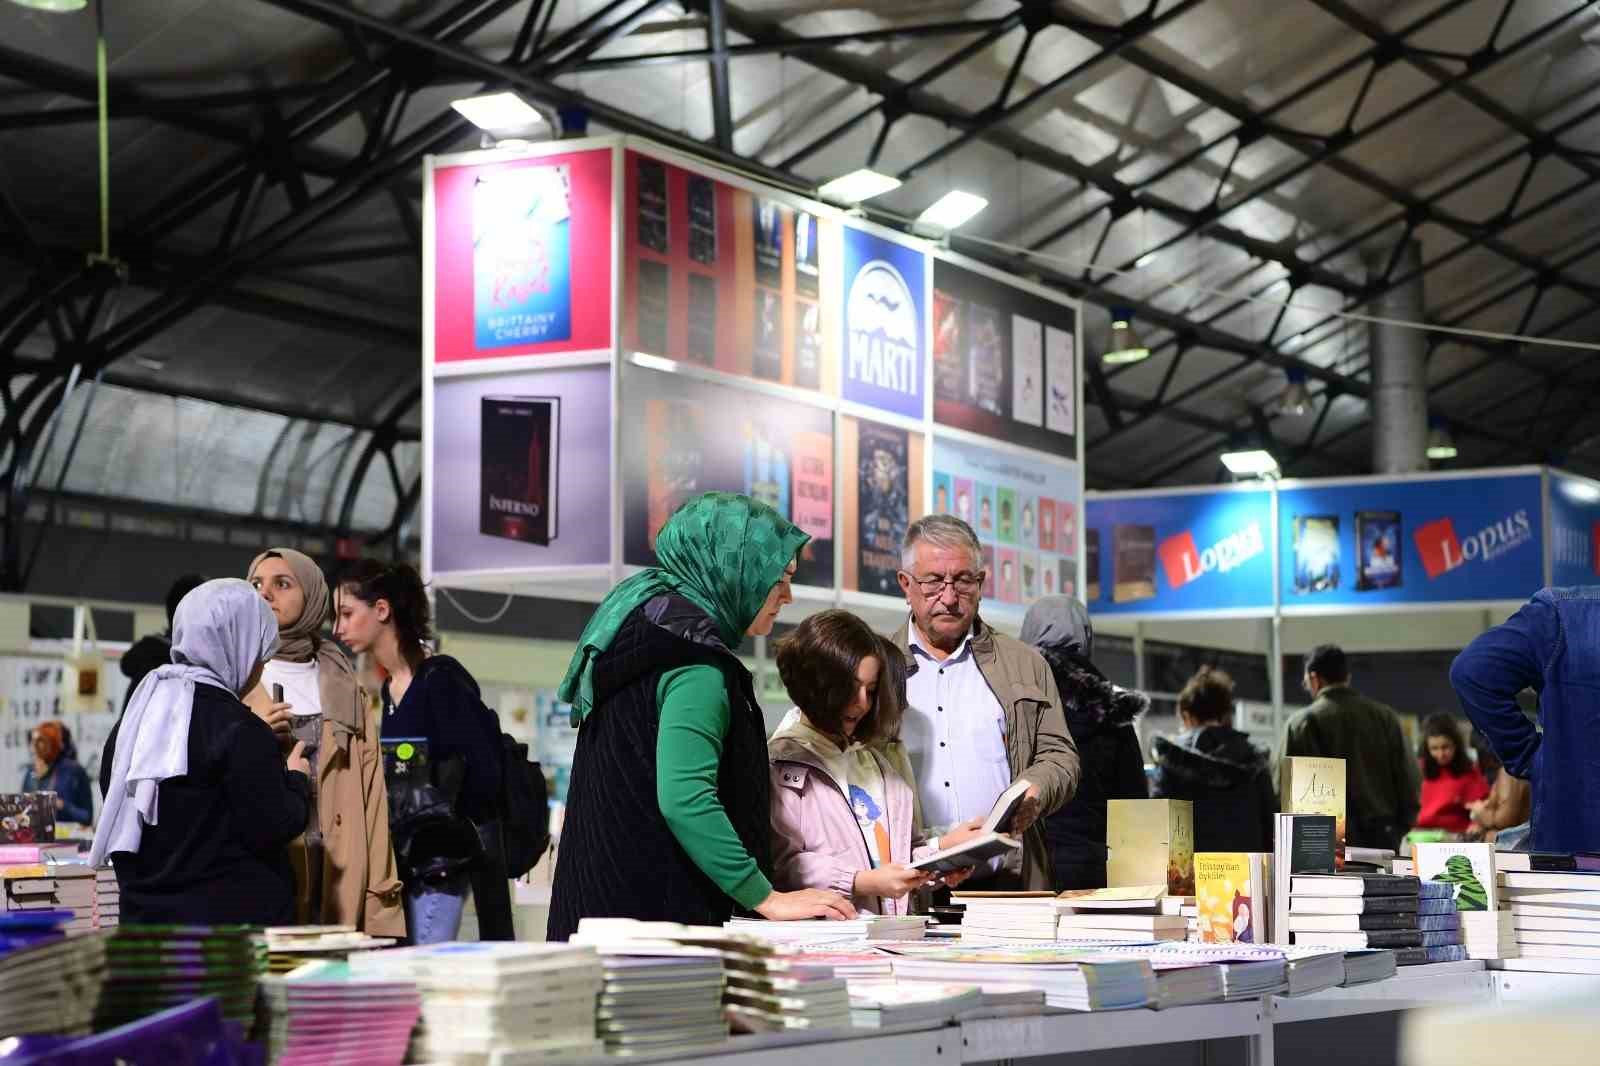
x,y
983,710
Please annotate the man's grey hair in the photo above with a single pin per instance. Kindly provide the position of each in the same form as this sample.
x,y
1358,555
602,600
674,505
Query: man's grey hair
x,y
942,531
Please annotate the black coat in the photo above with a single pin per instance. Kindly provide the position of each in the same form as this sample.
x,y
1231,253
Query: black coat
x,y
218,854
618,858
1229,779
1101,717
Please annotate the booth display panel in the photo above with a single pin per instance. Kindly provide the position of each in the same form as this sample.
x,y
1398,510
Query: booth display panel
x,y
1574,553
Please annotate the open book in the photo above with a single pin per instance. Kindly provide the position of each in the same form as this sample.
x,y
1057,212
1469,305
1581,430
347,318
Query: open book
x,y
992,841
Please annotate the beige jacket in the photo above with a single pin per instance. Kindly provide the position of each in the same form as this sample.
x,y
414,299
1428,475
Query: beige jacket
x,y
1038,745
360,886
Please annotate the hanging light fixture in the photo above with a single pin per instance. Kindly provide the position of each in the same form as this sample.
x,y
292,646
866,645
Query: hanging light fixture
x,y
1252,462
1296,398
951,211
54,6
1123,345
858,185
1441,445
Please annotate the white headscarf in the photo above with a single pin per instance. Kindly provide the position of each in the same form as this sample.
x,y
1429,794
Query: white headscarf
x,y
220,633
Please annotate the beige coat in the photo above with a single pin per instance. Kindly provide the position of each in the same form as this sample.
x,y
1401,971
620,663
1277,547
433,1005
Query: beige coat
x,y
359,883
1038,745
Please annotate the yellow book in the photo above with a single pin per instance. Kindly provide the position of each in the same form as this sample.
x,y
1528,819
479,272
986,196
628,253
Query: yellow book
x,y
31,869
1316,786
1151,842
1231,895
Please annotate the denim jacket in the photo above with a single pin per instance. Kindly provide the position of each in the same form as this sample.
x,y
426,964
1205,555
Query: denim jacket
x,y
1551,645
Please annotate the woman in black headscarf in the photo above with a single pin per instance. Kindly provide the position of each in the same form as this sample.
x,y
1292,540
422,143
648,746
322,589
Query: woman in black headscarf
x,y
1101,718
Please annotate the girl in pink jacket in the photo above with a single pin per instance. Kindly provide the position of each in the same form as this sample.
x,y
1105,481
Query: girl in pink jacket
x,y
844,810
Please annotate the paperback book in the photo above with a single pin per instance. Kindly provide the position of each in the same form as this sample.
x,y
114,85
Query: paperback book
x,y
1151,842
991,842
1316,786
1231,893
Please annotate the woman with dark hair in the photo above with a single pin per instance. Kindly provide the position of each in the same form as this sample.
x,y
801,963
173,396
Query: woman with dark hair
x,y
1225,773
669,803
844,808
383,609
344,864
1451,782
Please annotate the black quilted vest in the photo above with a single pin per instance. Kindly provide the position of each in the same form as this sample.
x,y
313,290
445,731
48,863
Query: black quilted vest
x,y
617,858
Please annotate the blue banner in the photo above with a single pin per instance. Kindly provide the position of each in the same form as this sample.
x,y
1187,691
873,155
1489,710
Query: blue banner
x,y
1161,554
883,340
1414,540
1574,530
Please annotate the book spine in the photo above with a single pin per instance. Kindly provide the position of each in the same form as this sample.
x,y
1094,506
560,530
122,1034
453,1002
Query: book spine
x,y
1435,890
1424,956
1395,938
1436,906
1437,922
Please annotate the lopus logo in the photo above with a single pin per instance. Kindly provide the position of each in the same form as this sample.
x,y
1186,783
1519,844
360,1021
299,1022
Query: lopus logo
x,y
882,319
1442,551
1183,561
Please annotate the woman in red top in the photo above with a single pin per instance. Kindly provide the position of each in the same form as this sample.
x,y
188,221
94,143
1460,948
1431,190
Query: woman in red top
x,y
1451,782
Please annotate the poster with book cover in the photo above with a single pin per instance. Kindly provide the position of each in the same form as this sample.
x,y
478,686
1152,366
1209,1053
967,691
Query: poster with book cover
x,y
1021,498
700,437
1378,541
1230,890
1005,360
512,479
520,255
1316,553
882,337
724,277
1467,868
881,492
1151,842
1316,786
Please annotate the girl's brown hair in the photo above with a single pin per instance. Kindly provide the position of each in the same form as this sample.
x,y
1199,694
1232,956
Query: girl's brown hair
x,y
818,663
1208,696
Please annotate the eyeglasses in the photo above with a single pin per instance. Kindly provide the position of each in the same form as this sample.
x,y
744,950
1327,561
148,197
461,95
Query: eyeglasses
x,y
965,584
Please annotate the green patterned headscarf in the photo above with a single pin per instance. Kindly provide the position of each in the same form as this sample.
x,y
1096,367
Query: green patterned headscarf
x,y
719,551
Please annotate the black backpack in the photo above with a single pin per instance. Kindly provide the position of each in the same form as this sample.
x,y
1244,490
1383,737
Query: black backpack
x,y
525,808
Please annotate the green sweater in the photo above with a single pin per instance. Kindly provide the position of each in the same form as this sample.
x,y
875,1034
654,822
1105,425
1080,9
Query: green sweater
x,y
693,702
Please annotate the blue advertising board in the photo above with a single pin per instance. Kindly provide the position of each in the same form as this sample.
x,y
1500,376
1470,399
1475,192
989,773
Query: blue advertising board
x,y
1410,541
1574,530
1180,552
883,338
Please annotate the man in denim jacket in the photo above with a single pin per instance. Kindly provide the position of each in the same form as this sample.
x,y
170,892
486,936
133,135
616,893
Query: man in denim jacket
x,y
1551,645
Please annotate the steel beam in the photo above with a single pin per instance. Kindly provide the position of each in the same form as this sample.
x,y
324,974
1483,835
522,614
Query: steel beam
x,y
721,98
822,43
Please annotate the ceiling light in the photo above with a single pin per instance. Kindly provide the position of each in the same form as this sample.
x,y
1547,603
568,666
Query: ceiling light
x,y
498,111
952,210
1296,398
858,185
1254,463
1144,260
1441,445
1124,345
513,144
53,5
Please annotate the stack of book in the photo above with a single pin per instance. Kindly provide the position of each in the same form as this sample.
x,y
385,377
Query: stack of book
x,y
1071,978
150,968
320,1012
1312,969
878,1004
52,887
867,927
289,947
660,995
771,990
1184,982
1467,873
1348,911
1134,914
50,984
1248,970
1555,919
511,1000
1030,916
107,899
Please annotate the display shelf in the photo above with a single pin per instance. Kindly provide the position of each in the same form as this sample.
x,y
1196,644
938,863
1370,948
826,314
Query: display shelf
x,y
1520,986
907,1045
1395,994
1055,1034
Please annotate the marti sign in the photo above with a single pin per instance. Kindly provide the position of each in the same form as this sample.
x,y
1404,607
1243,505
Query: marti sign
x,y
1184,562
1443,551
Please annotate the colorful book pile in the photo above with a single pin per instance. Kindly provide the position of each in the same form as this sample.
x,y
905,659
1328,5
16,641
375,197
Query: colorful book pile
x,y
107,899
150,968
1555,920
771,990
658,995
496,1001
867,927
1487,930
1136,914
1071,978
50,983
289,947
878,1004
322,1013
1415,919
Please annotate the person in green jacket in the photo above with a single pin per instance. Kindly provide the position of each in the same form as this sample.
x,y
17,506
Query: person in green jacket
x,y
667,808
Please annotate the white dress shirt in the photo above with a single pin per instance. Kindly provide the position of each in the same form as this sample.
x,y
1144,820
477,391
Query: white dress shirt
x,y
954,731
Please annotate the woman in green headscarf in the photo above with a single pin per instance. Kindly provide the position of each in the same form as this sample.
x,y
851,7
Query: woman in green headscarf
x,y
667,809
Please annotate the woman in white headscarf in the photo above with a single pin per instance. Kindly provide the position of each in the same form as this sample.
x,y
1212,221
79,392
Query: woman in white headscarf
x,y
202,805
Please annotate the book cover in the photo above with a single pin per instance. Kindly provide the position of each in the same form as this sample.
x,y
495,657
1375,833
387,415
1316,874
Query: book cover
x,y
884,506
964,498
702,220
990,572
1151,842
949,353
651,213
676,469
1009,582
1230,891
942,493
1067,528
1061,407
813,483
652,307
770,219
767,360
1067,584
807,345
702,319
766,467
1316,786
1316,553
985,525
27,817
1302,844
520,461
1030,577
1091,565
1047,525
1006,523
1467,868
1133,563
807,274
1028,521
1027,371
521,256
1377,550
986,369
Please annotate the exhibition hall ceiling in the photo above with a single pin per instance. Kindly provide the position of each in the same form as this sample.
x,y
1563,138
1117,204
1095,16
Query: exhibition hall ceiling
x,y
1200,161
